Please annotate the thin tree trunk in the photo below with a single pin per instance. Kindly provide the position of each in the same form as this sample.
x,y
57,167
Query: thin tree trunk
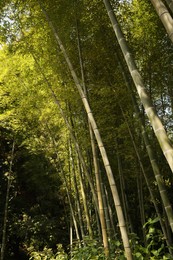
x,y
83,193
170,92
106,211
100,196
168,231
95,160
82,189
155,121
100,238
58,162
162,191
124,196
157,125
151,154
127,205
66,187
72,211
77,197
122,186
77,147
107,166
170,4
110,211
71,237
9,182
141,204
164,16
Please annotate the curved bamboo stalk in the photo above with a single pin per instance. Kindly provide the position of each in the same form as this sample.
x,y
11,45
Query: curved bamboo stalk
x,y
156,123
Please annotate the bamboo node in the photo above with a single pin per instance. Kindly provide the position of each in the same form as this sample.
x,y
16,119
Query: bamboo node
x,y
146,109
167,151
158,129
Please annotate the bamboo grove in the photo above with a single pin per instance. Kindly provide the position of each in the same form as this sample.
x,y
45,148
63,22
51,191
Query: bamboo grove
x,y
86,126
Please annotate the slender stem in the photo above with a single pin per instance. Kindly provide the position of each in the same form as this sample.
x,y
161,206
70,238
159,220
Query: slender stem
x,y
150,151
94,152
57,161
9,182
77,194
147,182
77,146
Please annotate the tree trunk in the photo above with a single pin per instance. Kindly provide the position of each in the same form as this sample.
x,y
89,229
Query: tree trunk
x,y
162,190
83,193
157,125
95,160
77,196
123,193
164,16
121,177
100,195
110,212
141,204
71,237
69,200
106,211
150,152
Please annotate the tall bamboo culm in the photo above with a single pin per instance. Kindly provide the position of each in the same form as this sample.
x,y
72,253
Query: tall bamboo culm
x,y
94,153
156,123
151,154
107,166
164,16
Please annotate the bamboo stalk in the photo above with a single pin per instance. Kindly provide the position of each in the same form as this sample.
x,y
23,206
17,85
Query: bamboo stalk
x,y
94,153
103,152
164,16
156,123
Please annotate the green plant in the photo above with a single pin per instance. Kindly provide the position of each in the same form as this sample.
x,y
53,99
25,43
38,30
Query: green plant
x,y
155,248
92,250
48,254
